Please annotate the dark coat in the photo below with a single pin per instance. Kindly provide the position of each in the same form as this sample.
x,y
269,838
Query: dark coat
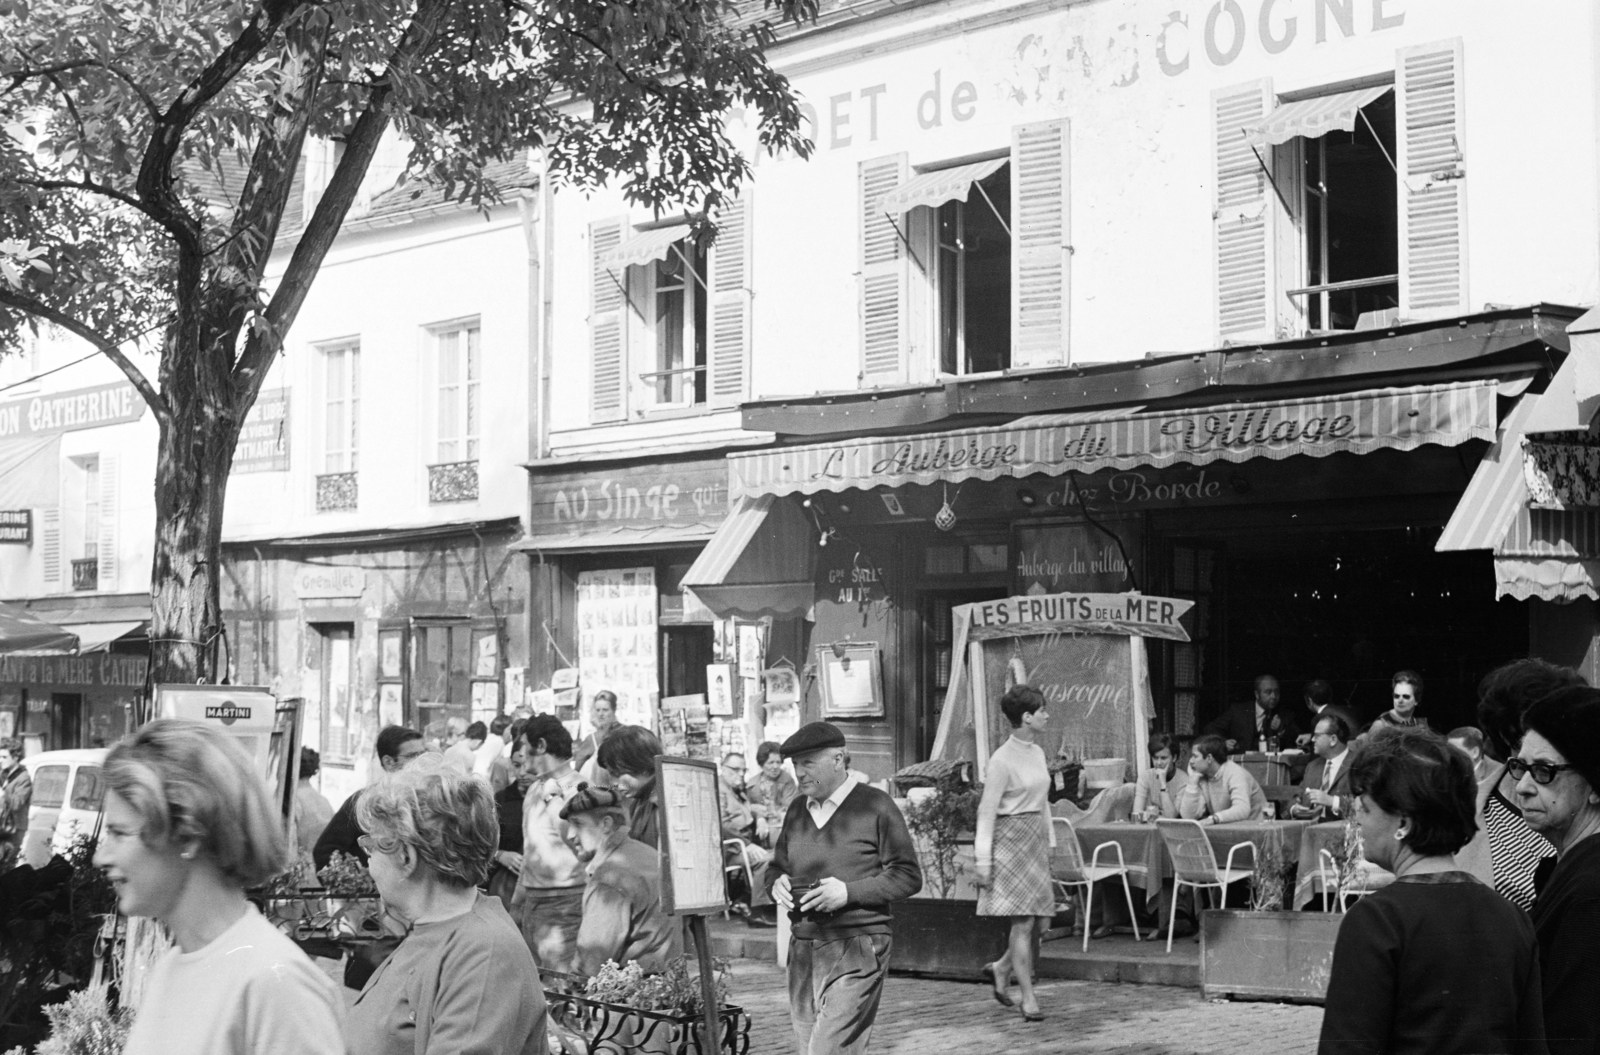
x,y
1566,918
1312,781
1238,723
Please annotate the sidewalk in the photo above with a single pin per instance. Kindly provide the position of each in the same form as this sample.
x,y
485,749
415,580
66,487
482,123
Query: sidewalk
x,y
918,1015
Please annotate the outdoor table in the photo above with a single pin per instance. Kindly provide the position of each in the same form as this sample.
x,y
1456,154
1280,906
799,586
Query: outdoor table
x,y
1146,855
1268,769
1327,836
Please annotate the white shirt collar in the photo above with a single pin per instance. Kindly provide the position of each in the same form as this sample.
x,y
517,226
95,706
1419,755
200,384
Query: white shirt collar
x,y
821,811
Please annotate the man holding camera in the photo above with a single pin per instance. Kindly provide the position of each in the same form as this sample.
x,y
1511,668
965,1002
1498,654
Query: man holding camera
x,y
843,855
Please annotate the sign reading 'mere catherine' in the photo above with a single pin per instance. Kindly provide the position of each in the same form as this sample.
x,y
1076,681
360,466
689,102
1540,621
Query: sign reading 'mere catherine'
x,y
81,408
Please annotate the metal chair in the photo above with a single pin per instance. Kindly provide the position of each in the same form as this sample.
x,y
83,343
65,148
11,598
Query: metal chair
x,y
1194,864
741,851
1067,870
1365,879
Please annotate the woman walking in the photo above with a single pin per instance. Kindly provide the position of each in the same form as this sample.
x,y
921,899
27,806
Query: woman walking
x,y
1013,844
1557,771
188,825
1436,963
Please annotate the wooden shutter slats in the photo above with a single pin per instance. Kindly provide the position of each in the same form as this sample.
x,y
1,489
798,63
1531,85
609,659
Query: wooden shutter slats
x,y
730,305
1041,280
50,544
1432,183
607,385
883,276
106,545
1243,225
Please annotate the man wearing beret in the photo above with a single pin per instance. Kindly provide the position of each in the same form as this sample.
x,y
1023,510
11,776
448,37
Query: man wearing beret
x,y
622,917
843,855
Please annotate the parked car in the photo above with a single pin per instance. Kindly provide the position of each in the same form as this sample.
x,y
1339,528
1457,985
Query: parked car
x,y
66,800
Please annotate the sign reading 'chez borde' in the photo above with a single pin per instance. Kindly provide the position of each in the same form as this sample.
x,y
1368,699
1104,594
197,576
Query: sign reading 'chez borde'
x,y
82,408
1052,445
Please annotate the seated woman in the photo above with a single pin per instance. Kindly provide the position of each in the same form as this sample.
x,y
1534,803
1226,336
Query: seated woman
x,y
188,824
1156,795
1437,962
622,917
628,756
773,787
463,979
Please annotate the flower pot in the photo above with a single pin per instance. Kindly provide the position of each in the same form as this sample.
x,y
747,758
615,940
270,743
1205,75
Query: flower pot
x,y
1267,955
945,938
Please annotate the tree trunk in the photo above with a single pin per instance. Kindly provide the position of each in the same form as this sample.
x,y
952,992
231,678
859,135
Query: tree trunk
x,y
194,456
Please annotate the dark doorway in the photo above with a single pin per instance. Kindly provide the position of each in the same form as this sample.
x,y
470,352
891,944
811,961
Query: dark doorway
x,y
66,720
685,653
938,655
1354,607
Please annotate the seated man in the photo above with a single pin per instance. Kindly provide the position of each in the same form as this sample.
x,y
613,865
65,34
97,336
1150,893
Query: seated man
x,y
622,917
1469,741
740,820
1244,725
1326,785
1219,791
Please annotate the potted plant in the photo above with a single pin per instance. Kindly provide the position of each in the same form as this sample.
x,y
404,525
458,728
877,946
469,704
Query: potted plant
x,y
1265,952
939,932
622,1010
85,1024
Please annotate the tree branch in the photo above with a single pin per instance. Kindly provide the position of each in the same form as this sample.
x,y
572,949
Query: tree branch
x,y
109,349
87,185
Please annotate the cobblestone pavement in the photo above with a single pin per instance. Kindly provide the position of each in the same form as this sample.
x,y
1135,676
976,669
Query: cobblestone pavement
x,y
1083,1018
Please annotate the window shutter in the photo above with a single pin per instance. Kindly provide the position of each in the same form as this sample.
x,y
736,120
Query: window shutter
x,y
1040,245
607,386
883,276
730,305
107,551
1242,218
50,547
1433,186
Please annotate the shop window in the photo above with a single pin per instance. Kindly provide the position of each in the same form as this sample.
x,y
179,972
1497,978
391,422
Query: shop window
x,y
340,727
458,376
442,666
1341,193
672,294
968,261
1194,665
86,788
87,530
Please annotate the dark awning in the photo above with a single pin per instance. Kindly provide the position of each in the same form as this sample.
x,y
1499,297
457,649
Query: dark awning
x,y
22,632
761,562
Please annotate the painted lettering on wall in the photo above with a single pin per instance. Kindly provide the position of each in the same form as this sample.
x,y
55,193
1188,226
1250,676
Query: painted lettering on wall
x,y
853,117
104,670
1228,26
83,408
611,500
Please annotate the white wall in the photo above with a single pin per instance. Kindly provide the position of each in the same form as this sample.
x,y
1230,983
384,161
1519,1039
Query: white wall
x,y
1141,160
387,287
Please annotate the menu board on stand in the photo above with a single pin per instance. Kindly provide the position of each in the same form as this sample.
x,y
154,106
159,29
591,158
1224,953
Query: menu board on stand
x,y
692,881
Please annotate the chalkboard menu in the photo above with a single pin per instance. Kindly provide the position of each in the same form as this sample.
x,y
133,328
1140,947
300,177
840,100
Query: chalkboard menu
x,y
1088,686
691,836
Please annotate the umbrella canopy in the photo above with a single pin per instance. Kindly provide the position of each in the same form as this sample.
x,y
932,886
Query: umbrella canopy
x,y
21,631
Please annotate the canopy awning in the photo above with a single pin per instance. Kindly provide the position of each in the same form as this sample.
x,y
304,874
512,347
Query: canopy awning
x,y
644,248
1315,117
762,562
1497,489
1546,580
20,631
1056,444
99,637
935,188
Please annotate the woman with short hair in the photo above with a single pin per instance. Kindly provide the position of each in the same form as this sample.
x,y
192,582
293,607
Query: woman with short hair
x,y
1013,843
628,755
1557,774
187,826
1436,963
462,979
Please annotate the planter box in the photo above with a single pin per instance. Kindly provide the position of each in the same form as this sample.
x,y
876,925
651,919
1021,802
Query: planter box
x,y
945,938
616,1029
1267,955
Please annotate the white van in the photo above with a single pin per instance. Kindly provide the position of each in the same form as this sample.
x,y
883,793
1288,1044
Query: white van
x,y
66,800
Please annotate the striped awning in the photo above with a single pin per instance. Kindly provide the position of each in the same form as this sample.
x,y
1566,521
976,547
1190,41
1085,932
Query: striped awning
x,y
1546,580
1497,489
23,632
1056,444
761,562
935,188
644,248
1312,118
99,637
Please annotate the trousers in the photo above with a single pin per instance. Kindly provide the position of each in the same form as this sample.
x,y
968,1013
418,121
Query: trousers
x,y
834,990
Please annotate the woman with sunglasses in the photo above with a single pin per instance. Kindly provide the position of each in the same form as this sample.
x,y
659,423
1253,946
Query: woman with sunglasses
x,y
1557,771
462,979
1436,963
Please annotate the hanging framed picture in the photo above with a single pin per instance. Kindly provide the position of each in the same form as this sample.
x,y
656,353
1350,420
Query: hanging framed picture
x,y
851,674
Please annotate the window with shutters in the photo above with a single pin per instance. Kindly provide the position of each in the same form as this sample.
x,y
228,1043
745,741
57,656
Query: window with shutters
x,y
672,292
1339,189
968,266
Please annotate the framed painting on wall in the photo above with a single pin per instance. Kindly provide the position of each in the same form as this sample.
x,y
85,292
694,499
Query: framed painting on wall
x,y
851,675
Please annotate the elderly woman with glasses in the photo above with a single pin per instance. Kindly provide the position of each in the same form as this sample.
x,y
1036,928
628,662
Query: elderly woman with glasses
x,y
1437,962
1557,770
462,979
188,824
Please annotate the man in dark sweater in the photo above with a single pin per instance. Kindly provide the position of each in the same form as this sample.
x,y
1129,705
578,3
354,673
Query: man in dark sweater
x,y
843,856
397,746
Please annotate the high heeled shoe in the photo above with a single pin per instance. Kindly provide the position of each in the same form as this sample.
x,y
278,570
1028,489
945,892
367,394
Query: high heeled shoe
x,y
1001,997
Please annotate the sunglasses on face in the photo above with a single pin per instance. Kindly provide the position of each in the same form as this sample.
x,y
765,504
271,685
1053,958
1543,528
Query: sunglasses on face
x,y
1543,772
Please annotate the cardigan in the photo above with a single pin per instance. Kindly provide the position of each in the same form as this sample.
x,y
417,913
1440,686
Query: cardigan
x,y
866,845
1566,918
1434,964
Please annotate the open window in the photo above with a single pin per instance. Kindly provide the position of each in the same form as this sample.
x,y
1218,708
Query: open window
x,y
1334,156
672,289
